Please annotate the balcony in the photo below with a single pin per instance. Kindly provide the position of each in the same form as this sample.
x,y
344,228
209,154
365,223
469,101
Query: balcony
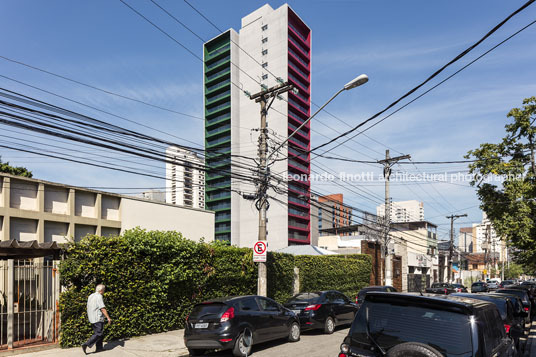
x,y
218,130
298,57
216,163
214,185
218,196
222,227
298,201
299,71
297,32
217,108
304,131
304,50
298,213
301,96
303,109
217,119
218,85
295,164
217,63
217,74
295,224
214,98
222,216
218,206
299,82
214,53
297,236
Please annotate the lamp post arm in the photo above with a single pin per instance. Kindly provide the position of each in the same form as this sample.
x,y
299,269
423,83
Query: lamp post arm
x,y
304,123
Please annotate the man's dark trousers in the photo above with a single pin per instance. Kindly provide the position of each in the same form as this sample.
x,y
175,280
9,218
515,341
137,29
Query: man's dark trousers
x,y
97,337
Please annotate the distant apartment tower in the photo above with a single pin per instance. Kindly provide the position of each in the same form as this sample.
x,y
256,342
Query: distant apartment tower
x,y
404,211
332,213
271,44
185,178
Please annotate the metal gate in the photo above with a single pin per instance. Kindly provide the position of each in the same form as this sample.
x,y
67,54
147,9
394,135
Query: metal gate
x,y
418,282
29,303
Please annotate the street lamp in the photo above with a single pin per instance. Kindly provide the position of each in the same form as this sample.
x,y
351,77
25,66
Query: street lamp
x,y
356,82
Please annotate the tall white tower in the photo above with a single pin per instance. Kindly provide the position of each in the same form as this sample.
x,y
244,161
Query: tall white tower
x,y
185,179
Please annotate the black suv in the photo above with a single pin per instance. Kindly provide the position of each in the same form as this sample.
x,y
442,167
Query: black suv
x,y
226,323
322,309
410,325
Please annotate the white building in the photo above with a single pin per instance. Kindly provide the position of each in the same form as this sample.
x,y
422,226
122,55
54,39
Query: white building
x,y
46,211
485,238
404,211
271,43
185,179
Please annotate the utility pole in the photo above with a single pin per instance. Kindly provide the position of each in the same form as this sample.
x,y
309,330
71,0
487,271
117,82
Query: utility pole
x,y
261,204
387,164
451,246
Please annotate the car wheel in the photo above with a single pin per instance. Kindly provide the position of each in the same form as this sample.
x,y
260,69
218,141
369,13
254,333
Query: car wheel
x,y
413,349
294,332
329,325
193,352
240,349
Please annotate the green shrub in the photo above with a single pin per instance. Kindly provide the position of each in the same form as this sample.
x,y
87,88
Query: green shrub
x,y
153,279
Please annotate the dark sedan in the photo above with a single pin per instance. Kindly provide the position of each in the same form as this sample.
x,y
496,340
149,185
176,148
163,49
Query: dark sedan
x,y
479,287
227,323
361,294
525,299
322,309
460,288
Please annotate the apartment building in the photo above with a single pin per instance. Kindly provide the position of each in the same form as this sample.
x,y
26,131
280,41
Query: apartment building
x,y
404,211
272,45
185,178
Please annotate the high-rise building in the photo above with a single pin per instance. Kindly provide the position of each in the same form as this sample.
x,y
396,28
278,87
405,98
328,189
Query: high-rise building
x,y
185,178
271,46
404,211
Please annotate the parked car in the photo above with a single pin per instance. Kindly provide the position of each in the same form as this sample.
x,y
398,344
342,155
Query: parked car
x,y
479,287
322,309
514,324
519,311
460,288
441,288
361,294
506,282
403,324
529,289
493,285
525,299
225,323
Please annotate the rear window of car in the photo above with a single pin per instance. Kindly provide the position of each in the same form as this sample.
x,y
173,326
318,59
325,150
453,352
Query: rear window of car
x,y
390,324
364,291
478,284
521,293
209,310
305,297
457,285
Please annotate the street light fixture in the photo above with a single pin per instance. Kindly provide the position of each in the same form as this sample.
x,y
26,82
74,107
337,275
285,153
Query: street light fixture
x,y
356,82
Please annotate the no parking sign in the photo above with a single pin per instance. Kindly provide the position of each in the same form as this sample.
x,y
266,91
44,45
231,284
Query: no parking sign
x,y
259,252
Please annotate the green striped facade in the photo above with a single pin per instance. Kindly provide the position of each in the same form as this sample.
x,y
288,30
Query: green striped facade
x,y
217,78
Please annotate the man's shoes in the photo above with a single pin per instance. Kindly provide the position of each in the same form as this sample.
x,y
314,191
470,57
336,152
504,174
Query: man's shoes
x,y
84,348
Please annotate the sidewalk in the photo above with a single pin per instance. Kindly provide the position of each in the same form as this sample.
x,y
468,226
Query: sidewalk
x,y
163,344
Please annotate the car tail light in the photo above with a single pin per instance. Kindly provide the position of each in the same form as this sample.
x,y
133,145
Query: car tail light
x,y
227,315
526,309
313,307
226,339
446,291
507,328
342,355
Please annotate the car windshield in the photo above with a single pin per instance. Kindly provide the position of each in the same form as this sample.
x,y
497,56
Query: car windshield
x,y
390,324
305,297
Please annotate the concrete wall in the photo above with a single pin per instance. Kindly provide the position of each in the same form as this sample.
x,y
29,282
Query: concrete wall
x,y
22,229
56,200
56,231
193,224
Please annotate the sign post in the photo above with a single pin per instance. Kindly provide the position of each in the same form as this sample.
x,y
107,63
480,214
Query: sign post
x,y
259,252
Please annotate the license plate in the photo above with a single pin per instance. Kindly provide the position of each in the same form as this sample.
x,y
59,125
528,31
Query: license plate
x,y
201,325
297,312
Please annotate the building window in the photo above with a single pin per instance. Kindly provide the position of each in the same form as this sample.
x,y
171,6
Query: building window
x,y
264,52
264,27
264,76
265,64
265,39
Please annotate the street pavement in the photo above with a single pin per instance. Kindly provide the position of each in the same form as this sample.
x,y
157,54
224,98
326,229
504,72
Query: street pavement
x,y
312,343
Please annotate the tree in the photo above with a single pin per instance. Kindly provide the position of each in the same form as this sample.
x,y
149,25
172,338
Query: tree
x,y
510,203
513,272
12,170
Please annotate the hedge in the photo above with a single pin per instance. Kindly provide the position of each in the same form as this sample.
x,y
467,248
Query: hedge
x,y
153,278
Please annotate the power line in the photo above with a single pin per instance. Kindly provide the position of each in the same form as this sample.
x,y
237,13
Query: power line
x,y
454,60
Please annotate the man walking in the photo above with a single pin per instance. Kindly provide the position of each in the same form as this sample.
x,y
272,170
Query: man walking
x,y
95,313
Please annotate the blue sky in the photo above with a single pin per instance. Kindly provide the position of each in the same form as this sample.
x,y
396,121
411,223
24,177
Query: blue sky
x,y
398,44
